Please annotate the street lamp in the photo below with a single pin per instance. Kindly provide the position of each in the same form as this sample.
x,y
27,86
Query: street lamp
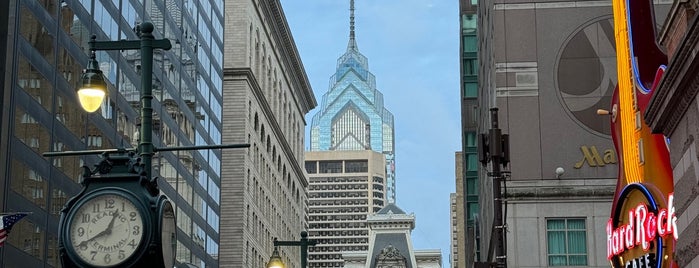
x,y
120,218
276,262
94,88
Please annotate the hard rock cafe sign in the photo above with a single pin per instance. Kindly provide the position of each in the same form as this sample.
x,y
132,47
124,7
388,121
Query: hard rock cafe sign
x,y
641,235
642,229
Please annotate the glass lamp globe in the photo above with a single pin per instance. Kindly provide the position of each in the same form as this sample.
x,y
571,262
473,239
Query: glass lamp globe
x,y
93,88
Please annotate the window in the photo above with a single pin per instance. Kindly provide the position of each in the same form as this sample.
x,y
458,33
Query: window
x,y
471,162
567,243
356,166
330,166
311,167
470,43
470,90
471,139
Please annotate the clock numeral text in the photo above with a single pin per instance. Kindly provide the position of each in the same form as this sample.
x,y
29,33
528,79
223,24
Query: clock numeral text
x,y
81,231
133,215
107,258
94,253
95,208
136,229
132,243
121,255
85,218
109,203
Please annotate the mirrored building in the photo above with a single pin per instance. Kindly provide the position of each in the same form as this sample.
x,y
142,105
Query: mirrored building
x,y
44,49
352,115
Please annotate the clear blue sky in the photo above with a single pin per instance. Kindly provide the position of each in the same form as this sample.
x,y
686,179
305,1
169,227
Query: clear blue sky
x,y
413,50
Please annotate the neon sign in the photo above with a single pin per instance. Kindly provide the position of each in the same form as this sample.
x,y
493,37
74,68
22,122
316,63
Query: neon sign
x,y
643,227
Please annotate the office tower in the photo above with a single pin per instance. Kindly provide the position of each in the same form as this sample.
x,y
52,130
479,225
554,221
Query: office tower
x,y
266,95
44,49
344,188
467,165
548,68
352,115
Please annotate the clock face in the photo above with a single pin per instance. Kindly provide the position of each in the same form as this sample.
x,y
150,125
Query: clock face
x,y
168,234
106,230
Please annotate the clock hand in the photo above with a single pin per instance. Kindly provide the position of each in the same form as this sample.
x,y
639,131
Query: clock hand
x,y
108,230
111,223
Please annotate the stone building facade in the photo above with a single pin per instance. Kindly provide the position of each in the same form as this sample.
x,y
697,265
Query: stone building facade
x,y
674,112
266,95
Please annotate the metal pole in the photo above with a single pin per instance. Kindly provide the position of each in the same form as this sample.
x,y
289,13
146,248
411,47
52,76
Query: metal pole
x,y
303,243
495,137
304,249
145,146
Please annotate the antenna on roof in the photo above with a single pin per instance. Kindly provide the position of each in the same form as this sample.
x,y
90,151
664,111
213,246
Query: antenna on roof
x,y
352,42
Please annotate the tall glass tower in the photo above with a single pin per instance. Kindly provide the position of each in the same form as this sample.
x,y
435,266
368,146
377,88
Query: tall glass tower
x,y
44,48
352,115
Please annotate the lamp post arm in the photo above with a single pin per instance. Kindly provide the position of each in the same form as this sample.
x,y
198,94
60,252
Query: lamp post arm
x,y
201,147
156,149
114,45
304,243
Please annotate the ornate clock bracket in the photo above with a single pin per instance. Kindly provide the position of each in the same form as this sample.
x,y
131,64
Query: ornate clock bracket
x,y
117,163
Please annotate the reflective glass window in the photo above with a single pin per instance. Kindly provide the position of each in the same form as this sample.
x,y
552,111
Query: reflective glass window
x,y
78,31
184,222
214,192
213,219
106,22
37,35
58,199
34,83
211,247
29,238
29,184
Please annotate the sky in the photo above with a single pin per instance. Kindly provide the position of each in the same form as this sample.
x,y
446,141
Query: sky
x,y
413,50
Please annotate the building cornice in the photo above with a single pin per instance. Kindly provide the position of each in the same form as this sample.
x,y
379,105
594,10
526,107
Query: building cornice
x,y
247,74
678,87
290,54
558,193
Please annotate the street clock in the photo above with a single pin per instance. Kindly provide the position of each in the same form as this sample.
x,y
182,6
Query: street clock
x,y
119,219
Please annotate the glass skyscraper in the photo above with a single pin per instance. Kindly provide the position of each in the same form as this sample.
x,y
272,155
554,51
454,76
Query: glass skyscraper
x,y
44,47
352,115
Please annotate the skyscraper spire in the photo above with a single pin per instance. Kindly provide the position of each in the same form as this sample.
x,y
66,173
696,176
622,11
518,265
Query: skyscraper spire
x,y
352,45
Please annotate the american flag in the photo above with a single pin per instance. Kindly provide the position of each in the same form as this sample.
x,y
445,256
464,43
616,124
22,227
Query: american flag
x,y
6,222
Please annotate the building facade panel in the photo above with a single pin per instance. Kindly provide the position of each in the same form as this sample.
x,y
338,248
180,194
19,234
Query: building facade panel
x,y
266,96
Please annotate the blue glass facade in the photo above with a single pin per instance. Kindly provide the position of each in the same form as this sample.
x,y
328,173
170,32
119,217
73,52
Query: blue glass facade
x,y
43,61
352,115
